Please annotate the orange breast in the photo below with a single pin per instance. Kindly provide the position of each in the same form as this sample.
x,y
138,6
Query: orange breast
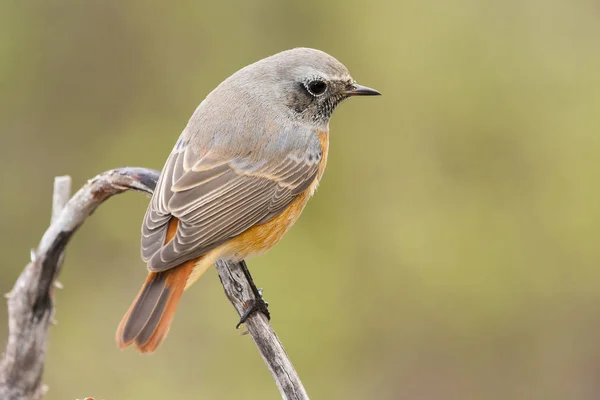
x,y
262,237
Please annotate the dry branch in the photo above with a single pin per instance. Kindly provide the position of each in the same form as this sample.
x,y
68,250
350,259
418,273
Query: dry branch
x,y
30,303
240,294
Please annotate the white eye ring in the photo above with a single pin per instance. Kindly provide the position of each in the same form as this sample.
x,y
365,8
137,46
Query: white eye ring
x,y
316,87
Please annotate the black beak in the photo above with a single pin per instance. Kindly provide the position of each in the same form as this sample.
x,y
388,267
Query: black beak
x,y
358,90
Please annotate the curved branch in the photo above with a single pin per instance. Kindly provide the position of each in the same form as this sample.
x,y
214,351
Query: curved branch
x,y
30,303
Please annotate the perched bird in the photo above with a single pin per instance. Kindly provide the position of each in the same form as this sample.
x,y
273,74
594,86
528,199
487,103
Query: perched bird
x,y
239,176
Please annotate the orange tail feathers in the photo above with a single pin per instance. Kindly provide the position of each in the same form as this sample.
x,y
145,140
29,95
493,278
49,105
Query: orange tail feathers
x,y
149,318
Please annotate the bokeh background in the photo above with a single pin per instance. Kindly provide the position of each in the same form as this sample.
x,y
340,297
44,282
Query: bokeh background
x,y
451,252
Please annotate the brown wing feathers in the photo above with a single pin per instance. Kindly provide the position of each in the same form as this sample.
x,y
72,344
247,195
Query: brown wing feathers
x,y
216,199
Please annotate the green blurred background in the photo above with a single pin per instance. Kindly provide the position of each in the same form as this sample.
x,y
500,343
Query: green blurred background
x,y
451,251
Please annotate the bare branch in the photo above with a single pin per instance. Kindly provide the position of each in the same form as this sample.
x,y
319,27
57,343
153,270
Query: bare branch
x,y
60,197
62,193
240,294
30,303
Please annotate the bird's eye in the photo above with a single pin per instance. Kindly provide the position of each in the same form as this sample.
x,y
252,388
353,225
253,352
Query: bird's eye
x,y
316,87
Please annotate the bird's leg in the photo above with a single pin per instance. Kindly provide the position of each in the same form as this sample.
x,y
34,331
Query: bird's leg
x,y
258,304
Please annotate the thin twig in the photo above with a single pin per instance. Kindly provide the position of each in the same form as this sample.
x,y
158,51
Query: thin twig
x,y
30,303
240,294
61,195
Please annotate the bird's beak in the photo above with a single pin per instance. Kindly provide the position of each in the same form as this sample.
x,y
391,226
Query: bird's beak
x,y
358,90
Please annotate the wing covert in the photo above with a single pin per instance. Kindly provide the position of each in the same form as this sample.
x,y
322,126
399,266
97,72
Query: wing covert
x,y
216,200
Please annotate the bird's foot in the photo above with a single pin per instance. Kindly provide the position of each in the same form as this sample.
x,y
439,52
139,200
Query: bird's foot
x,y
256,305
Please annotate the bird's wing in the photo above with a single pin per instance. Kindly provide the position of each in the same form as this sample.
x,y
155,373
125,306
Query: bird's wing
x,y
216,200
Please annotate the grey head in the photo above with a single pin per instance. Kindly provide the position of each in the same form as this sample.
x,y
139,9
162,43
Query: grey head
x,y
304,84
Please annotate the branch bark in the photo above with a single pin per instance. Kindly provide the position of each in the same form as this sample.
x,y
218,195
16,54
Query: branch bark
x,y
30,302
239,293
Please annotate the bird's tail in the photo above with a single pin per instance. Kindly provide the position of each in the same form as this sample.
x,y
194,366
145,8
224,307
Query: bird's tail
x,y
147,321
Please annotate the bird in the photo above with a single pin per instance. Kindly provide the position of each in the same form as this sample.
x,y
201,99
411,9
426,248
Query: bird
x,y
237,179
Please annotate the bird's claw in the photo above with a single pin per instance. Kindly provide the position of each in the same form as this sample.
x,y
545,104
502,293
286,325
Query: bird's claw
x,y
257,305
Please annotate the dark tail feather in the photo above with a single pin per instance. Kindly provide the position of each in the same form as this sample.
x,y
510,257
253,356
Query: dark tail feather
x,y
147,322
